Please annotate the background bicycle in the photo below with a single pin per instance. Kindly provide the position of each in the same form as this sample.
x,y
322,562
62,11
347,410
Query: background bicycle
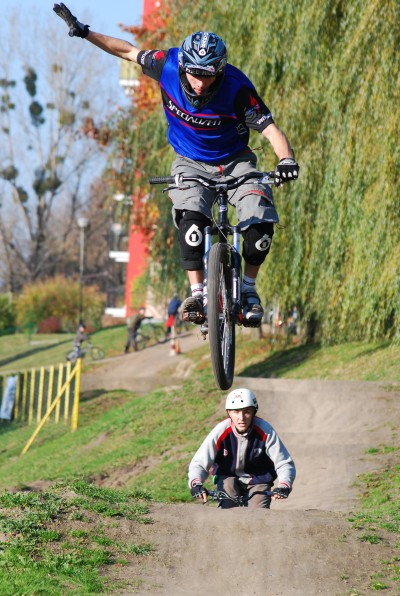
x,y
181,326
150,334
222,271
94,352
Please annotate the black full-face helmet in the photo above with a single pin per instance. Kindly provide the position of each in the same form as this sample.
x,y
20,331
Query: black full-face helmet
x,y
202,54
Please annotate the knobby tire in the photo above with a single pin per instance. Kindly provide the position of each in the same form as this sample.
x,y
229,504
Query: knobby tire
x,y
141,342
221,326
159,335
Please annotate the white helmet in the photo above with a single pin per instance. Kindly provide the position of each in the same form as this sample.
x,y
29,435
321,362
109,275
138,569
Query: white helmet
x,y
240,398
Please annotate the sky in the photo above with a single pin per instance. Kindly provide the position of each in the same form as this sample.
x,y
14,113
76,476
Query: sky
x,y
104,14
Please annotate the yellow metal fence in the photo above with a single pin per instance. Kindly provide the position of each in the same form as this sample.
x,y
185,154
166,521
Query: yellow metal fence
x,y
46,394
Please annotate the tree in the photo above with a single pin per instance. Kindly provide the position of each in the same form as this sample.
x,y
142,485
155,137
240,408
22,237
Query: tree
x,y
50,85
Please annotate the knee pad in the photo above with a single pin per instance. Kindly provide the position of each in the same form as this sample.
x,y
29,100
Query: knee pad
x,y
191,239
257,241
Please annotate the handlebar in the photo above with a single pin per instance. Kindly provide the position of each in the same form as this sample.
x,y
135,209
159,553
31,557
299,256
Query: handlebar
x,y
219,183
221,495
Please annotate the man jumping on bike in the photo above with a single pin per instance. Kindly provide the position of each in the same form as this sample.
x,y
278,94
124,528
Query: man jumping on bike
x,y
245,453
210,107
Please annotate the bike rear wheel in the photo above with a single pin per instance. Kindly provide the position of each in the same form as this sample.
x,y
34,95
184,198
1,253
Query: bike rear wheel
x,y
221,325
96,353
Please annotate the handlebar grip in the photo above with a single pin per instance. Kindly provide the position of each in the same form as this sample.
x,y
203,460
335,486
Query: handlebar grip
x,y
162,180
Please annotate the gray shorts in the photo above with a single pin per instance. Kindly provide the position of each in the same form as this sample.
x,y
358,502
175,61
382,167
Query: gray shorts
x,y
253,202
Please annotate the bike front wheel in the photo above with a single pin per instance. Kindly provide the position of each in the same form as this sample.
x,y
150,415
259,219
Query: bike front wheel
x,y
221,325
140,342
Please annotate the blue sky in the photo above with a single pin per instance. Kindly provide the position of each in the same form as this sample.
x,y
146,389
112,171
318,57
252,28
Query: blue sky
x,y
104,14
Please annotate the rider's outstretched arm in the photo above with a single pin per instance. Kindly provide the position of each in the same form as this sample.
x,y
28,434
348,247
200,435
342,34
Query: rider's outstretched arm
x,y
111,45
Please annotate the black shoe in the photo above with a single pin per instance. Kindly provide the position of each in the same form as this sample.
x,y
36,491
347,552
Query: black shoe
x,y
192,310
253,312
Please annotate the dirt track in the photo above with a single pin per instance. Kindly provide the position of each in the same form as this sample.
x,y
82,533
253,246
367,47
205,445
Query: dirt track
x,y
301,546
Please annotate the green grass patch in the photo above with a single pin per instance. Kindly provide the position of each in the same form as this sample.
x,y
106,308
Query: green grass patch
x,y
275,357
43,552
378,519
22,351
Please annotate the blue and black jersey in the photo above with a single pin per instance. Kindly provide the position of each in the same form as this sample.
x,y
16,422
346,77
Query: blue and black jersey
x,y
219,129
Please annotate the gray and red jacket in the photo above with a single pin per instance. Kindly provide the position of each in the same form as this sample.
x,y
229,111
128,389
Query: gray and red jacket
x,y
256,457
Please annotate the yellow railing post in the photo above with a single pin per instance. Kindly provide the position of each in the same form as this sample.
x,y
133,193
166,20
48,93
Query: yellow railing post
x,y
17,397
75,409
50,387
67,394
59,385
40,395
24,396
32,395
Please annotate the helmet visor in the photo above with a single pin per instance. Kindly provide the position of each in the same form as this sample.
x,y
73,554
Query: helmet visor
x,y
198,71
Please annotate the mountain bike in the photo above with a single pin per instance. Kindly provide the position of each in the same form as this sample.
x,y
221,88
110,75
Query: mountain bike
x,y
149,333
222,271
94,352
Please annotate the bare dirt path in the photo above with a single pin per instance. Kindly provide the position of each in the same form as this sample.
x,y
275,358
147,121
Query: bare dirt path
x,y
303,546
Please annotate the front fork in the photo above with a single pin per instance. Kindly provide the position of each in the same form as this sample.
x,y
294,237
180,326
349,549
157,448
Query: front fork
x,y
207,247
236,276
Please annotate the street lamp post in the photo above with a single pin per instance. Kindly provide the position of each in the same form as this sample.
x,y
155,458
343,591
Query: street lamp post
x,y
83,223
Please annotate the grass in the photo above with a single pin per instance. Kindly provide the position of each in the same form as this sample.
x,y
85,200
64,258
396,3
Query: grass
x,y
51,544
148,440
274,357
378,519
21,351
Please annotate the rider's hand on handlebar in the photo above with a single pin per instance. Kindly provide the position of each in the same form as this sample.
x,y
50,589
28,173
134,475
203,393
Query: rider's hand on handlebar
x,y
76,29
281,492
198,491
286,171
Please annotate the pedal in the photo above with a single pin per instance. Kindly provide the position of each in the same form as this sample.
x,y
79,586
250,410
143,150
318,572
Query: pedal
x,y
254,325
204,330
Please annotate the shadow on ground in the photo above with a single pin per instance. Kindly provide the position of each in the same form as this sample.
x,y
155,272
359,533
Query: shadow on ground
x,y
31,352
279,363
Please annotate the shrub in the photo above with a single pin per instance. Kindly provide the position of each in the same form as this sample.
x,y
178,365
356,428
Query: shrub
x,y
7,313
58,299
50,325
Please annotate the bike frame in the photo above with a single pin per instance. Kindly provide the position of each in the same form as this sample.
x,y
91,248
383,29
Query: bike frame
x,y
223,229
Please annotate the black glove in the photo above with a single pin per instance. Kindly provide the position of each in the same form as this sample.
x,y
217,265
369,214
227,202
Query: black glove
x,y
281,491
197,491
286,171
76,29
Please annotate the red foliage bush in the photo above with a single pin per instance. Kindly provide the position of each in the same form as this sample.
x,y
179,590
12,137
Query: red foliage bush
x,y
50,325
